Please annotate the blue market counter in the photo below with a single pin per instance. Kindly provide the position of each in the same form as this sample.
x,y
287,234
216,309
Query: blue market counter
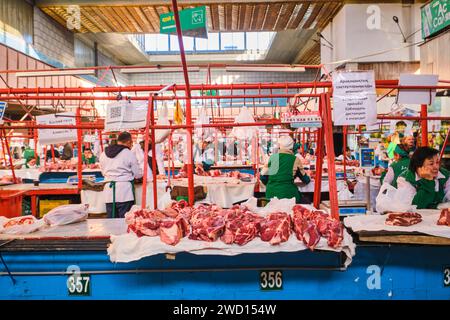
x,y
40,269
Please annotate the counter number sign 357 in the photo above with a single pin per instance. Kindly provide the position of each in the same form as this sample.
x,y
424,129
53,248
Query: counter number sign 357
x,y
447,276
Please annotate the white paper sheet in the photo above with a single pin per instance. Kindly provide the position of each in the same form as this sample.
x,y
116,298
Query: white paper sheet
x,y
128,247
377,223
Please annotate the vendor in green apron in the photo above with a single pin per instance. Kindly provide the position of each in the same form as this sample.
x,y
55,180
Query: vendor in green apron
x,y
88,156
279,173
402,158
425,184
29,157
120,167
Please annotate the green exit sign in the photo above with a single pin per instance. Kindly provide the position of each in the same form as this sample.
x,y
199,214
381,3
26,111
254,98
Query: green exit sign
x,y
193,22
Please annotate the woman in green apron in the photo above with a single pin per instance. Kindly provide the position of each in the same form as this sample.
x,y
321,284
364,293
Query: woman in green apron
x,y
279,173
425,184
402,155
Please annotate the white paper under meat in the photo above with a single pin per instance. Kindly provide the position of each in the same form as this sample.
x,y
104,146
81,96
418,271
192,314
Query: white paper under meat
x,y
129,247
374,223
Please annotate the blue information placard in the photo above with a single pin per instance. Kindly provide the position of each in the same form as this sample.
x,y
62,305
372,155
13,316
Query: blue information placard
x,y
3,106
367,157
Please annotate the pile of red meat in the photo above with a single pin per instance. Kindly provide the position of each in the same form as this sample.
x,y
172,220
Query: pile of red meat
x,y
66,165
9,180
237,225
241,225
404,219
311,225
276,228
444,219
198,170
170,224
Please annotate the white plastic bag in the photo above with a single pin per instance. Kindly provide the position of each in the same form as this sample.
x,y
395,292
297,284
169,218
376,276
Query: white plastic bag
x,y
242,133
165,200
345,194
20,225
390,199
162,134
67,214
200,132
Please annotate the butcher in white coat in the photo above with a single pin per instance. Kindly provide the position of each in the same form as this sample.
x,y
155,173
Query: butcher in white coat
x,y
120,167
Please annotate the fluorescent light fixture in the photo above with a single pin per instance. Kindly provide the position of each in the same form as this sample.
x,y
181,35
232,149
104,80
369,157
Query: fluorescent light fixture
x,y
265,68
55,73
157,70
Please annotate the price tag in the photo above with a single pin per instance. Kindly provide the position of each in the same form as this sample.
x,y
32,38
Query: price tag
x,y
271,280
447,277
79,285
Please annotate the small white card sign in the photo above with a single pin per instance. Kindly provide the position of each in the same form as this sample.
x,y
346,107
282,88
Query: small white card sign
x,y
52,136
354,98
123,114
417,96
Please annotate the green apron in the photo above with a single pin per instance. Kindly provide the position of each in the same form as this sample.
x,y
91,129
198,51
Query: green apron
x,y
112,185
399,167
426,196
281,181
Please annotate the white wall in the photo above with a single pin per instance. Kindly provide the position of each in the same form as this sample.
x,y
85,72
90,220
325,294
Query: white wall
x,y
353,36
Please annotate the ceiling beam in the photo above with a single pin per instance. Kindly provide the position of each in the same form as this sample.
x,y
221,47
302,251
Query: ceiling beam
x,y
44,3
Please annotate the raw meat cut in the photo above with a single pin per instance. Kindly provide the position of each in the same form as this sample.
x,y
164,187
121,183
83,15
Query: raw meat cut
x,y
171,224
276,228
207,223
444,219
404,219
241,225
311,225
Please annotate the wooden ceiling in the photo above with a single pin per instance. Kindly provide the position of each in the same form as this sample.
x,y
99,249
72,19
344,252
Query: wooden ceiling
x,y
252,16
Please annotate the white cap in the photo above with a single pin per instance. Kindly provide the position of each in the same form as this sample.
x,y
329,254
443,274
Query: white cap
x,y
286,142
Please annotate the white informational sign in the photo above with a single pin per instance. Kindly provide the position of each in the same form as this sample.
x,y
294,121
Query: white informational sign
x,y
124,114
415,96
89,138
53,136
354,98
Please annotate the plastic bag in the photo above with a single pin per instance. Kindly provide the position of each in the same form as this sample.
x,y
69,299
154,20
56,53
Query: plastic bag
x,y
390,199
20,225
345,194
162,134
242,133
67,214
200,132
165,200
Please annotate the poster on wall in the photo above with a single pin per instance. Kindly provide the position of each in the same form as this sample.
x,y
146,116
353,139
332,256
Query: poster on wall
x,y
354,98
59,135
125,115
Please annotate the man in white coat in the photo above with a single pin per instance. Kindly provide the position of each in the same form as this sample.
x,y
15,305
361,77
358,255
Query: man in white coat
x,y
120,167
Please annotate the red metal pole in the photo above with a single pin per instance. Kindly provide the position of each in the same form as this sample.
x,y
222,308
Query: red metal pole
x,y
146,147
53,154
79,143
155,187
9,155
4,150
334,205
190,166
344,151
444,145
424,124
319,156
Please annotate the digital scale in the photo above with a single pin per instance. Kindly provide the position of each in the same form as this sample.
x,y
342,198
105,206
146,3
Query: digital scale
x,y
347,207
74,179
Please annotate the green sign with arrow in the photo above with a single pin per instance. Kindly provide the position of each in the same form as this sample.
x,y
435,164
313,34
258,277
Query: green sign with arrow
x,y
193,22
